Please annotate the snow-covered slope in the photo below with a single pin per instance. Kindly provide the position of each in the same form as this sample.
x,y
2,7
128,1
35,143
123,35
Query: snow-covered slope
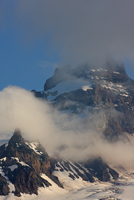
x,y
68,86
120,190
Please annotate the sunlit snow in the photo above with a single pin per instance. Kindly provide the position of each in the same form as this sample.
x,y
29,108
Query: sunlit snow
x,y
68,86
33,146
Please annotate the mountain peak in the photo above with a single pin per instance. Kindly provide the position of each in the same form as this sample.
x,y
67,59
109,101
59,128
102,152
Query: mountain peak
x,y
88,90
17,137
111,72
17,132
23,162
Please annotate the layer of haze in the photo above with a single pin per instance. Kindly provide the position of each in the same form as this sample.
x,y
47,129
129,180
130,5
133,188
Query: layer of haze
x,y
58,133
79,30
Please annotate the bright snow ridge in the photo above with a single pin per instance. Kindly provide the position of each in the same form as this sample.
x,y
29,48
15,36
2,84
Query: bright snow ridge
x,y
33,146
69,86
20,162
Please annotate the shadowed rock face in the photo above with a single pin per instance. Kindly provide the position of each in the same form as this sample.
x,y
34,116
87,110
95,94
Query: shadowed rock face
x,y
60,74
89,170
100,169
4,189
26,180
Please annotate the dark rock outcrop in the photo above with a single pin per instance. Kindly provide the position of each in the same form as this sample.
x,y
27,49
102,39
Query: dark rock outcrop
x,y
101,170
38,94
89,170
26,180
4,189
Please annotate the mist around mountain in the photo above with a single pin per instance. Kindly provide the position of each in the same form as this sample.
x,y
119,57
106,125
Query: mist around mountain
x,y
84,120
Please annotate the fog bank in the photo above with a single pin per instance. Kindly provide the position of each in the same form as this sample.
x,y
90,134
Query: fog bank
x,y
58,133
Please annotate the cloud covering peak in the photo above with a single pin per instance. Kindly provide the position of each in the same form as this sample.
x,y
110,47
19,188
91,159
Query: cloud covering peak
x,y
79,30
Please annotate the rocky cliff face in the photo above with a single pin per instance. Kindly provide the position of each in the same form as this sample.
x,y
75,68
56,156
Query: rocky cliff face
x,y
4,189
90,170
95,91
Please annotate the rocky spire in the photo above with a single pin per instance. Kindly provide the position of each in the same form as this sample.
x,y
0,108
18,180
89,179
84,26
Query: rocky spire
x,y
17,137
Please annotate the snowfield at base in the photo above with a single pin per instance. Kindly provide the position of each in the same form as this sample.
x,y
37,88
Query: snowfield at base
x,y
122,189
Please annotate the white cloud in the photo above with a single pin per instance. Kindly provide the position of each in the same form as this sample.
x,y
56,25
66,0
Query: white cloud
x,y
19,108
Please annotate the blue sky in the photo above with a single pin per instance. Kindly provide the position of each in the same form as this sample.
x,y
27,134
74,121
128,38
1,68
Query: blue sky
x,y
38,35
22,65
